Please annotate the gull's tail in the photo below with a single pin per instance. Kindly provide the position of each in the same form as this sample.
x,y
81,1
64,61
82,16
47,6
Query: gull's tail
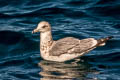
x,y
101,42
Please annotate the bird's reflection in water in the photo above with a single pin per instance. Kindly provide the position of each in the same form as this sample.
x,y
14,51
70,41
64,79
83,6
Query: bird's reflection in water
x,y
63,71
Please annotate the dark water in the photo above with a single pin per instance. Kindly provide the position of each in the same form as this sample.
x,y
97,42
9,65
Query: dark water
x,y
19,49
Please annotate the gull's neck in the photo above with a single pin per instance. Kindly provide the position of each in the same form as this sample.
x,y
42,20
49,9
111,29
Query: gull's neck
x,y
46,38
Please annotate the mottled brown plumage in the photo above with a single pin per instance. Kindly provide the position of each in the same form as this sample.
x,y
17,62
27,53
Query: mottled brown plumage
x,y
71,45
64,49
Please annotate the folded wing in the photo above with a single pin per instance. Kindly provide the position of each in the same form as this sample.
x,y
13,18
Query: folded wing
x,y
71,45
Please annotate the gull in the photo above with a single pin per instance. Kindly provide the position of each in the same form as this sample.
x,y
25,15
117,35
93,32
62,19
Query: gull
x,y
64,49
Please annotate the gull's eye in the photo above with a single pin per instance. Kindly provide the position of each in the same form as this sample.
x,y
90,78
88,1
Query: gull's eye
x,y
44,26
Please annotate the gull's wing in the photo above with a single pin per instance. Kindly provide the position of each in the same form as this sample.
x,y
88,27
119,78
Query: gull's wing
x,y
71,45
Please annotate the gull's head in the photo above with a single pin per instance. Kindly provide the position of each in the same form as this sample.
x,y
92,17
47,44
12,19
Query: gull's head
x,y
42,27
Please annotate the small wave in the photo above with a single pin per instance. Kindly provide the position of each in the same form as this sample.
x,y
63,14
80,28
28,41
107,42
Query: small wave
x,y
106,11
77,3
111,57
106,1
10,37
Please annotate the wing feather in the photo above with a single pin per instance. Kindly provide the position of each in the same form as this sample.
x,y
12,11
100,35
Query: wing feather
x,y
71,45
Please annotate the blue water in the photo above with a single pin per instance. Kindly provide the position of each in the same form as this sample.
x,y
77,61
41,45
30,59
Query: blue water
x,y
19,49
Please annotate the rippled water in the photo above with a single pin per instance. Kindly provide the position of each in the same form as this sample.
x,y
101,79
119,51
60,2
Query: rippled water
x,y
19,49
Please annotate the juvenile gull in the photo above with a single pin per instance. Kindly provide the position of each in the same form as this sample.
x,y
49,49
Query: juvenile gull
x,y
66,48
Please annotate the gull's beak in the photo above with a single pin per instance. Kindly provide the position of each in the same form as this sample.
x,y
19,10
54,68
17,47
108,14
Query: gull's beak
x,y
34,31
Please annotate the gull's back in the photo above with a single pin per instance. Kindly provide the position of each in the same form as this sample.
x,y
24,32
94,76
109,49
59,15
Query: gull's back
x,y
70,45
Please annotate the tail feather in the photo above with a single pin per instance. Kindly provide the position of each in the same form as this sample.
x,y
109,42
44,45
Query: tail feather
x,y
103,40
